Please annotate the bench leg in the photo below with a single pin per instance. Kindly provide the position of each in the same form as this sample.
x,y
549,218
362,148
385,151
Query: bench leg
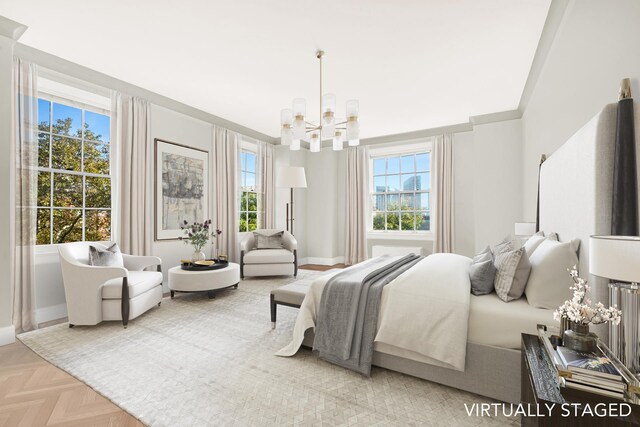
x,y
274,307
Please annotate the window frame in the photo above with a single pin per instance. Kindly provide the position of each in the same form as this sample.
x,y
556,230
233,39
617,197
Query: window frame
x,y
51,247
248,147
399,149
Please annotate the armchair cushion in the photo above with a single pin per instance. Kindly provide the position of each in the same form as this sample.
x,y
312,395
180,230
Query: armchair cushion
x,y
268,256
139,283
268,240
105,257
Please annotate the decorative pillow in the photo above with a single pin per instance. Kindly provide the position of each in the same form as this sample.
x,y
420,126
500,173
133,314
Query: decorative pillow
x,y
549,282
505,245
110,257
513,270
268,241
482,272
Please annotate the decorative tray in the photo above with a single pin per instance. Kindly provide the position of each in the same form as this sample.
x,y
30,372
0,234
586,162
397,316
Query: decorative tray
x,y
549,337
218,264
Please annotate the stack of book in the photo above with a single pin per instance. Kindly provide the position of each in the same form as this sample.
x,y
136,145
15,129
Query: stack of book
x,y
592,372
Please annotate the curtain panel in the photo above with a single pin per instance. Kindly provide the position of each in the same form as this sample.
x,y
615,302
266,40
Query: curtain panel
x,y
25,124
266,185
226,158
131,125
357,204
443,191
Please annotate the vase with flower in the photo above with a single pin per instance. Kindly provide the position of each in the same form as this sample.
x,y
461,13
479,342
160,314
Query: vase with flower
x,y
581,314
197,235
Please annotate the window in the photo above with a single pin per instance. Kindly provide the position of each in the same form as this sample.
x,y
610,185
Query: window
x,y
400,192
74,183
248,194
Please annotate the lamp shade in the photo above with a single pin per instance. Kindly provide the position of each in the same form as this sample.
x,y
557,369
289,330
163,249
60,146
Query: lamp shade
x,y
615,257
525,229
291,177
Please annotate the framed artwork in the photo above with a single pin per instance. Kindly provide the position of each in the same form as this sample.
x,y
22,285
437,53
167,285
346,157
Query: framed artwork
x,y
181,187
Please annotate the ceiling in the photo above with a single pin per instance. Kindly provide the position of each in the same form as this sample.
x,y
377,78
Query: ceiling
x,y
413,64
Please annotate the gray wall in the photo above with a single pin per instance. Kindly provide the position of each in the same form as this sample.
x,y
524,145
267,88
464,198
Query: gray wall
x,y
596,45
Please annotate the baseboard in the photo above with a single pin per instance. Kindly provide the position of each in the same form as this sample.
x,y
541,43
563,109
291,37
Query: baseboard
x,y
324,261
7,335
53,312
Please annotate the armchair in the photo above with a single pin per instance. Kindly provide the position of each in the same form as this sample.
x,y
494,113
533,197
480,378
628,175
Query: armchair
x,y
95,294
269,262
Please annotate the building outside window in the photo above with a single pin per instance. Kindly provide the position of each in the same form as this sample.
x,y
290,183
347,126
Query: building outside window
x,y
248,192
400,189
74,181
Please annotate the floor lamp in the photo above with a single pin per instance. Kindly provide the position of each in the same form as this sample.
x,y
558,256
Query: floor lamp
x,y
291,177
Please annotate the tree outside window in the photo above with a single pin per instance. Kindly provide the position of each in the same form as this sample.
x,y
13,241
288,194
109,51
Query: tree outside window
x,y
74,182
248,193
400,191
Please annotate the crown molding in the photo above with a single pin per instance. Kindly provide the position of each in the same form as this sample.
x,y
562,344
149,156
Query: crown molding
x,y
11,29
73,70
501,116
555,17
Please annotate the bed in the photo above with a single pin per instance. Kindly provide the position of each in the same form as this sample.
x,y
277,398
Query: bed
x,y
575,202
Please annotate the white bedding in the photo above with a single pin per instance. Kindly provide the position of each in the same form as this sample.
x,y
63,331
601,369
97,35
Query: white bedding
x,y
408,304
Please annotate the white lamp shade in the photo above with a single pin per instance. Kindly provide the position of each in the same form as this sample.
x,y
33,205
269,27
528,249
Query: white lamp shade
x,y
286,117
299,129
354,142
295,145
615,257
353,108
291,177
329,102
525,228
299,107
314,143
353,130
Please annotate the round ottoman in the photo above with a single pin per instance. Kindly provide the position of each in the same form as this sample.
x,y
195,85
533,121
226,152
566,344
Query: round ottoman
x,y
203,281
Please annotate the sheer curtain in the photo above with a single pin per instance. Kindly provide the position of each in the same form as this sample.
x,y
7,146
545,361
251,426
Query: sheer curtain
x,y
226,154
357,205
131,125
266,185
26,190
443,190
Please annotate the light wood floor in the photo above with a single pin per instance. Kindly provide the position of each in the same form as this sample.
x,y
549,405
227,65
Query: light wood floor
x,y
33,392
316,267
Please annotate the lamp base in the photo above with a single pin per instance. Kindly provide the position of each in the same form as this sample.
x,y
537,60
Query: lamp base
x,y
624,339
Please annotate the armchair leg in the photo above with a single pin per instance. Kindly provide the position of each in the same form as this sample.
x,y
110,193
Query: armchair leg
x,y
71,325
274,308
125,302
242,264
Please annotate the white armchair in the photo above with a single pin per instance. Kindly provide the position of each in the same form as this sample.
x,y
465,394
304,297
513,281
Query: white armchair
x,y
95,294
269,262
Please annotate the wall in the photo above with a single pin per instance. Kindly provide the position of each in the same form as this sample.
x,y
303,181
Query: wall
x,y
171,126
596,46
497,181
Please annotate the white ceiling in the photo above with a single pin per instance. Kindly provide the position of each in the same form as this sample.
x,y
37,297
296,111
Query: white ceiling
x,y
413,64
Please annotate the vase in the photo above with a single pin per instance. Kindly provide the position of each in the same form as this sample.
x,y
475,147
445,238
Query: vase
x,y
198,256
215,254
578,338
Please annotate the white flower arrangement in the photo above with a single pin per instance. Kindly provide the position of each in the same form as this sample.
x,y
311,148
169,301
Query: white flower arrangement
x,y
579,309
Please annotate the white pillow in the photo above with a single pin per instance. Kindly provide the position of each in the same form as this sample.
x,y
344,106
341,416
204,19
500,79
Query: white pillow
x,y
549,281
534,241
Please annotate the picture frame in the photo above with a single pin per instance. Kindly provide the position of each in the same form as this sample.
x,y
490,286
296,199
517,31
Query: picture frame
x,y
181,186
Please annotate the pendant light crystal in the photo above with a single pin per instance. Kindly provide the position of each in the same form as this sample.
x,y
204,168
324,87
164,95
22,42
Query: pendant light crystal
x,y
328,115
299,111
338,141
314,143
286,130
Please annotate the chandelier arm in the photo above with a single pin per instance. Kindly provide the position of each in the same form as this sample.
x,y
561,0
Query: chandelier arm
x,y
341,123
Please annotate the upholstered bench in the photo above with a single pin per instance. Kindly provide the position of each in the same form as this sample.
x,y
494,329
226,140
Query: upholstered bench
x,y
290,295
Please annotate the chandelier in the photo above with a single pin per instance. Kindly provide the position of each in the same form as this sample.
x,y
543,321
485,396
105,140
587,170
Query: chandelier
x,y
295,127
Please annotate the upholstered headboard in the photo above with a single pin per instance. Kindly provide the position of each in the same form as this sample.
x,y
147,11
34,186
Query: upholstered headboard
x,y
576,184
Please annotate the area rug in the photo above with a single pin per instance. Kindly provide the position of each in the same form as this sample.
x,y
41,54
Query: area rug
x,y
197,362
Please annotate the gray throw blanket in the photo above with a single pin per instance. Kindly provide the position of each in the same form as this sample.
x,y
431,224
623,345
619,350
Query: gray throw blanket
x,y
348,312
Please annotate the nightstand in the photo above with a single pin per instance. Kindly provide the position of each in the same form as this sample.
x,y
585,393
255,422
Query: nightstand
x,y
540,390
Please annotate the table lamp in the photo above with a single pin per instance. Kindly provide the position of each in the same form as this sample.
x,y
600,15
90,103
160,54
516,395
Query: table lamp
x,y
291,177
618,258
